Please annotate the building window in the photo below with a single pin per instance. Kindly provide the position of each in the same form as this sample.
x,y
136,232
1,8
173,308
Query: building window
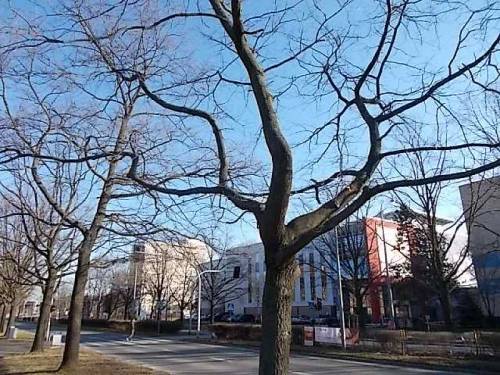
x,y
302,281
236,272
249,292
257,267
312,276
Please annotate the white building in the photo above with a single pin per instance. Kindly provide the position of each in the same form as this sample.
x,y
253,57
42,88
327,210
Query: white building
x,y
317,285
165,276
311,286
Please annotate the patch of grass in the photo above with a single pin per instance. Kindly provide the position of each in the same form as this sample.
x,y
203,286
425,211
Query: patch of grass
x,y
48,362
24,335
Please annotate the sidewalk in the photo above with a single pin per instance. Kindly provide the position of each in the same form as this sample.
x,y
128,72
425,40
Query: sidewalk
x,y
8,347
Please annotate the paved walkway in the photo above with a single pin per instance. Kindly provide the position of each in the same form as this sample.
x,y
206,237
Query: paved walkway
x,y
13,346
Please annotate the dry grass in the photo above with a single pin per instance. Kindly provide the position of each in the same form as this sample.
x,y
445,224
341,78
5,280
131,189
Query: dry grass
x,y
48,362
24,335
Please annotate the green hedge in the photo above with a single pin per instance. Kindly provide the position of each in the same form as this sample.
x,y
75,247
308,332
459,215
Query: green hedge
x,y
166,326
124,325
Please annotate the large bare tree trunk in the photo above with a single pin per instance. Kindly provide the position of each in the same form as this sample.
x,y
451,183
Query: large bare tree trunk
x,y
276,319
2,319
445,300
72,346
359,309
181,312
44,318
212,318
12,315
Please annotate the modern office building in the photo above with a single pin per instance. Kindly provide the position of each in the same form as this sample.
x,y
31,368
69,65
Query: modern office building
x,y
316,291
368,251
481,206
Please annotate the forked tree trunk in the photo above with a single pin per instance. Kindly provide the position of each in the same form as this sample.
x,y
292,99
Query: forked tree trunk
x,y
276,319
72,346
43,320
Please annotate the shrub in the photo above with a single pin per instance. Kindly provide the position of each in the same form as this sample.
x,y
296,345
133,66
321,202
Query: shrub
x,y
166,326
389,340
124,325
251,332
492,340
229,331
298,335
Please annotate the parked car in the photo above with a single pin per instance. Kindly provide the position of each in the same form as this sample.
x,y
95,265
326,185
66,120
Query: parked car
x,y
233,318
327,320
246,318
301,319
224,317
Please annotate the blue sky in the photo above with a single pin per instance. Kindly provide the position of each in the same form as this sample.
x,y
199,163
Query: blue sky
x,y
429,47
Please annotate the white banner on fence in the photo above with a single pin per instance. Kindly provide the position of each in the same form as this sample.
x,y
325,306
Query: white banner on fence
x,y
308,336
327,335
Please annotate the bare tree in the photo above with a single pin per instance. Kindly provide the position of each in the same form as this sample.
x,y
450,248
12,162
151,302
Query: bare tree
x,y
158,276
184,282
224,286
120,297
99,285
16,257
364,76
54,244
89,144
356,253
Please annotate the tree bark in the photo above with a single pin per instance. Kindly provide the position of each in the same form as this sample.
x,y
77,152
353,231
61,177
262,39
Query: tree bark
x,y
12,315
359,309
445,301
181,312
44,318
72,346
2,319
276,319
212,318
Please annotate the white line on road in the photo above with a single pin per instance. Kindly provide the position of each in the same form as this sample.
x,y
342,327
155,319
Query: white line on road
x,y
218,359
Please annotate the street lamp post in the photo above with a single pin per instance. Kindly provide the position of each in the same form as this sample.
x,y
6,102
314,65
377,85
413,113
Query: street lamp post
x,y
341,297
134,297
387,276
199,298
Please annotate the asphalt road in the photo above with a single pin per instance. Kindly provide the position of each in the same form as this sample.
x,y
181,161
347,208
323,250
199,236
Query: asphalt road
x,y
186,357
